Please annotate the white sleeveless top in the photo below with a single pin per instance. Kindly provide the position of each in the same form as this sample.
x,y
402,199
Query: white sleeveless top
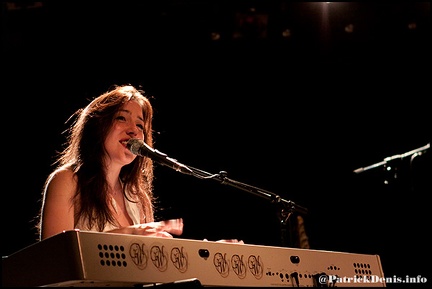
x,y
133,210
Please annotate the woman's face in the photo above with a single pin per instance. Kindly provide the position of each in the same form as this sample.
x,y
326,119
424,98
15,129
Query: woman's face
x,y
128,123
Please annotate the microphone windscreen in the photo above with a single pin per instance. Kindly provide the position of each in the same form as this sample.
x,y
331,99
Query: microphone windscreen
x,y
135,145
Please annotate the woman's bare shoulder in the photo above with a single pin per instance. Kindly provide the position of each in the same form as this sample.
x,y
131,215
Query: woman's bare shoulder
x,y
62,180
63,174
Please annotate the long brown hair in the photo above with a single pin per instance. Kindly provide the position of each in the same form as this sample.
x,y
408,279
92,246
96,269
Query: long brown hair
x,y
84,151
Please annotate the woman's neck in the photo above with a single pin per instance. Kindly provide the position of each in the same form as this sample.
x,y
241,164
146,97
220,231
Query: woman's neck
x,y
114,184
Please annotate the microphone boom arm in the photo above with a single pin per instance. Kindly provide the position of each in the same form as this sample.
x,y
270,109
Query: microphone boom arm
x,y
286,207
222,178
419,150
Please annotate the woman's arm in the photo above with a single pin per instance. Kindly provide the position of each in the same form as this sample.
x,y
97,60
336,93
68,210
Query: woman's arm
x,y
57,207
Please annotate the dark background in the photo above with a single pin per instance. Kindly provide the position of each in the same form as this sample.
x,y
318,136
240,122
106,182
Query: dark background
x,y
292,115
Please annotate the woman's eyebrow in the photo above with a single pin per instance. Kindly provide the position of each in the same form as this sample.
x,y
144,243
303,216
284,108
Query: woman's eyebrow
x,y
129,112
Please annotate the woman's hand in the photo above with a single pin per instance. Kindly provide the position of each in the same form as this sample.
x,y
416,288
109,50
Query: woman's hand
x,y
165,229
228,241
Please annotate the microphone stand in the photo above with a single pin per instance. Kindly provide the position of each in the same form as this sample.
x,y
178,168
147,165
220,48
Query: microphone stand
x,y
286,208
414,152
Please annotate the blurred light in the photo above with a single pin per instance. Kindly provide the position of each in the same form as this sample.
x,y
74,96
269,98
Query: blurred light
x,y
412,26
22,5
215,36
349,28
286,33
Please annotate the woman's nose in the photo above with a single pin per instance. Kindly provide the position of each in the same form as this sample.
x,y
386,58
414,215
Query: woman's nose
x,y
132,130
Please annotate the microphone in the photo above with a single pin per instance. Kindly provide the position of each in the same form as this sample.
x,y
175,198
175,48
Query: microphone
x,y
140,148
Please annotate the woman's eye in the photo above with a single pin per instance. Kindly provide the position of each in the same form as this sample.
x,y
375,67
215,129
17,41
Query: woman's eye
x,y
141,127
120,117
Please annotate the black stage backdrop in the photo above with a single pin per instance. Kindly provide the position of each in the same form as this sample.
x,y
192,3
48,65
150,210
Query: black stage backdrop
x,y
287,97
